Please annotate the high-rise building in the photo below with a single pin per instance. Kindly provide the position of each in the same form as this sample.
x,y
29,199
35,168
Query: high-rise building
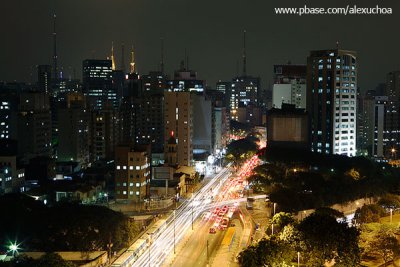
x,y
225,89
287,127
73,136
392,120
154,83
8,111
244,98
365,124
150,119
34,130
221,128
186,80
149,127
178,121
331,101
289,85
132,175
44,78
12,176
103,132
97,83
380,115
203,139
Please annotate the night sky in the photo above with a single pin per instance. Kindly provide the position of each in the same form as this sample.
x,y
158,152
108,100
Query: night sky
x,y
210,30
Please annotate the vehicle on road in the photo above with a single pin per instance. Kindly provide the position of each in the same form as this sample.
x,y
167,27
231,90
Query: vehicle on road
x,y
212,230
224,223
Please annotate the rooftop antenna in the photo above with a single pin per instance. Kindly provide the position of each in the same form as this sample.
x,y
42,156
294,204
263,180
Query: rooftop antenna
x,y
55,57
112,56
162,56
185,59
132,64
337,45
244,53
187,62
123,58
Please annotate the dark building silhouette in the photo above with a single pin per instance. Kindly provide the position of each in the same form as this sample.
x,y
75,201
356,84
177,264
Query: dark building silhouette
x,y
97,83
44,78
287,127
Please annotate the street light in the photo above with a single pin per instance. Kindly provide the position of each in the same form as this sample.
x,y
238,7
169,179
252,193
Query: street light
x,y
393,150
274,208
14,247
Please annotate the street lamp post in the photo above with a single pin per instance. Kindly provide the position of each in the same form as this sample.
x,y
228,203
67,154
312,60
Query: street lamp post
x,y
274,208
149,247
298,259
174,230
207,253
272,229
391,215
192,214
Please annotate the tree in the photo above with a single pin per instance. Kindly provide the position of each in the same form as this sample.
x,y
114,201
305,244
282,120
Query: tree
x,y
47,260
240,150
368,214
52,260
327,239
385,244
390,201
249,257
330,212
65,227
353,173
268,252
282,219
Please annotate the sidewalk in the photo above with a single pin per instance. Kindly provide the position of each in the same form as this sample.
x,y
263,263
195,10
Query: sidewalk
x,y
226,254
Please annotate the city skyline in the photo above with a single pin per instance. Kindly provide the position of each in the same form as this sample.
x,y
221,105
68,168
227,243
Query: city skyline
x,y
211,35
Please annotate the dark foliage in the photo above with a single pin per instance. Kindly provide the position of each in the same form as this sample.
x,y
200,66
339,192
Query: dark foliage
x,y
321,180
65,227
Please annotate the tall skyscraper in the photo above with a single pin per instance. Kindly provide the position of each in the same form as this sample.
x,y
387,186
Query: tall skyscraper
x,y
185,80
289,85
34,130
97,83
103,132
204,119
149,128
365,124
331,101
55,56
381,145
44,78
73,136
225,88
392,120
243,103
244,95
178,121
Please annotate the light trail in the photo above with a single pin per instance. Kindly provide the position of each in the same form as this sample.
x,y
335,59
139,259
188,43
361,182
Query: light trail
x,y
162,246
219,191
